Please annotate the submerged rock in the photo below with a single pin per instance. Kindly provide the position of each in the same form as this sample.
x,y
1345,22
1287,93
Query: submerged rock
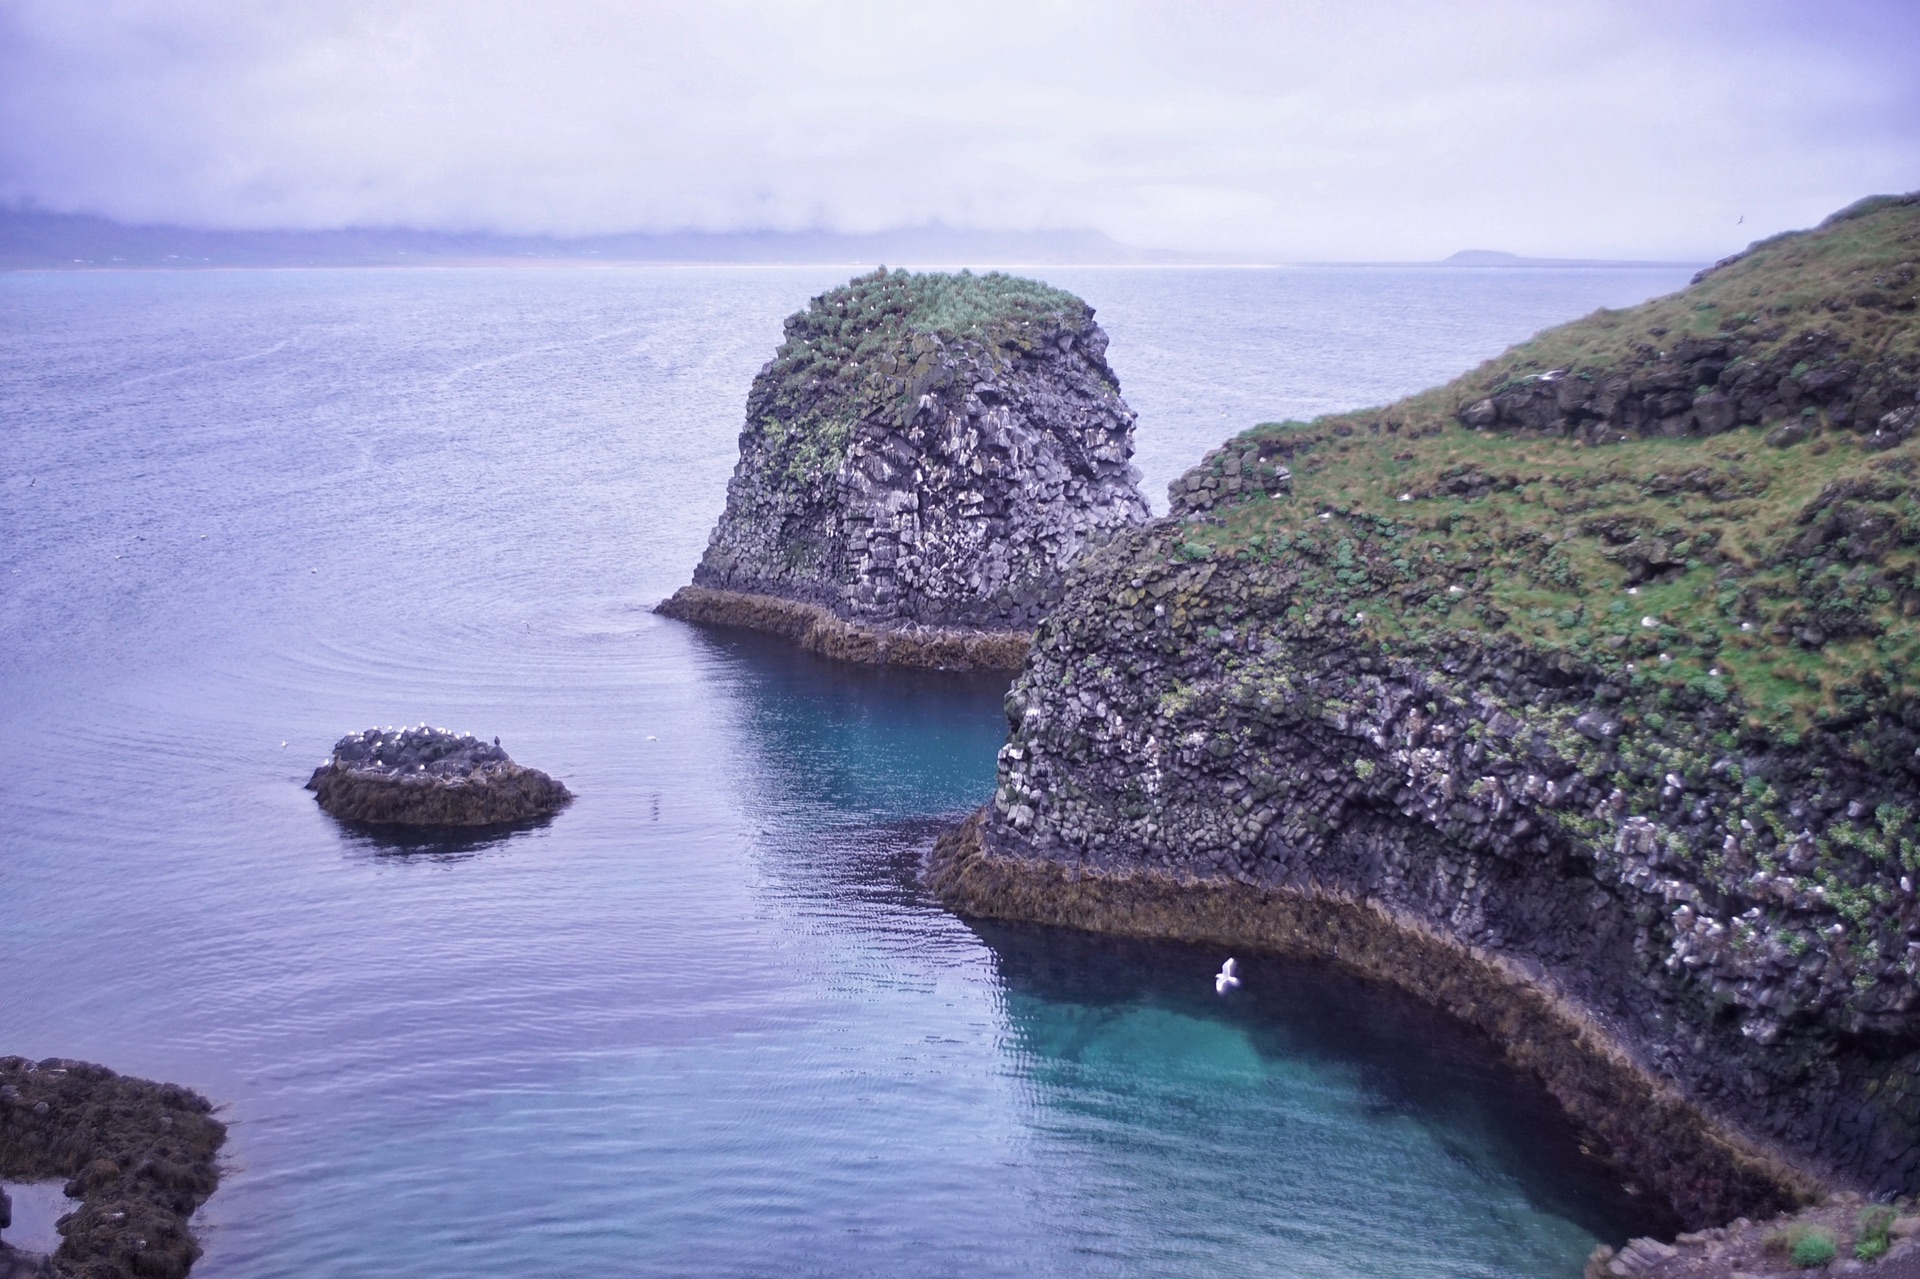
x,y
922,459
430,777
139,1156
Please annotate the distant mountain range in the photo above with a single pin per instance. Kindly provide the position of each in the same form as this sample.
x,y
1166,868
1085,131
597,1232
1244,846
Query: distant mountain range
x,y
33,239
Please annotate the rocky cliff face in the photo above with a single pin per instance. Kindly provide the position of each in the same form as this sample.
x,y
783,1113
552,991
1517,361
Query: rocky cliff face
x,y
1609,744
927,451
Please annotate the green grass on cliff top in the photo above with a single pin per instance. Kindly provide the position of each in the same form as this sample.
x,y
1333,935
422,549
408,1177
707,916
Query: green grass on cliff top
x,y
1435,532
870,348
892,305
1841,277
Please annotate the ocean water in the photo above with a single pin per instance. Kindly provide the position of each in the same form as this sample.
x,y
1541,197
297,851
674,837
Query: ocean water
x,y
704,1022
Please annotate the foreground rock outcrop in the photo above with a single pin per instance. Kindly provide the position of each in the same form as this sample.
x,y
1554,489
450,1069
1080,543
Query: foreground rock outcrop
x,y
922,459
1845,1236
430,777
1606,740
139,1156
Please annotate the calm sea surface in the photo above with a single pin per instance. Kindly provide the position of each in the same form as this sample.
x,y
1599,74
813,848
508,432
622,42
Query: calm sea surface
x,y
704,1022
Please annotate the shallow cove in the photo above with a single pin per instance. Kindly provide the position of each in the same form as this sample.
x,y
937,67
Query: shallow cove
x,y
703,1021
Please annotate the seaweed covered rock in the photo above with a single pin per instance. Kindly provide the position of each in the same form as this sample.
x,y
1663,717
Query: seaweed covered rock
x,y
1610,745
921,460
430,777
139,1156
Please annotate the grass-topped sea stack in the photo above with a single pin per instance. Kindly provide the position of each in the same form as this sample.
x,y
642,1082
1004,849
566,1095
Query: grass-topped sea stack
x,y
922,459
1581,695
431,777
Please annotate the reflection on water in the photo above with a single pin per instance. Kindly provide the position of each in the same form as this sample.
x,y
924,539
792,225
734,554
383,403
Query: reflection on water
x,y
1129,1035
848,743
437,843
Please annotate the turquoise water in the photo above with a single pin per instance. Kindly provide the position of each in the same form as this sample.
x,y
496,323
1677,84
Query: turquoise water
x,y
704,1022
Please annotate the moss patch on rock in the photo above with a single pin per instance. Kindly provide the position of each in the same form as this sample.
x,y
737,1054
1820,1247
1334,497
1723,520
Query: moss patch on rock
x,y
138,1155
927,450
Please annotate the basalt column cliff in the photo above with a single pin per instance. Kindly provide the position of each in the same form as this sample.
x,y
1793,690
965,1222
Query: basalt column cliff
x,y
1581,696
922,459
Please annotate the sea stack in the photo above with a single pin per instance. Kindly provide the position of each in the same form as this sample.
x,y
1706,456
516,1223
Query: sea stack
x,y
430,777
922,459
1580,696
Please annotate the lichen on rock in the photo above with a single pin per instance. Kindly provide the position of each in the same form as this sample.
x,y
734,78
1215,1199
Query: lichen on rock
x,y
430,777
1615,710
925,452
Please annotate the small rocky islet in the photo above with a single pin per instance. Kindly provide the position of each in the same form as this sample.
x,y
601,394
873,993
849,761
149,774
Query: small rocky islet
x,y
1580,696
138,1155
922,458
425,776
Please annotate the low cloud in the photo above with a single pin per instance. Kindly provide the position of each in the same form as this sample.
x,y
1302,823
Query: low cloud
x,y
1294,131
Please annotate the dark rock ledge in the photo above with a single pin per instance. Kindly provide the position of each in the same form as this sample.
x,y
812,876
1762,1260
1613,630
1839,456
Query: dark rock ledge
x,y
1641,1122
814,628
138,1155
430,777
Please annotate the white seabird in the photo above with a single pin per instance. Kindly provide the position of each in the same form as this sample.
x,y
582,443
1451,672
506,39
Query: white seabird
x,y
1226,979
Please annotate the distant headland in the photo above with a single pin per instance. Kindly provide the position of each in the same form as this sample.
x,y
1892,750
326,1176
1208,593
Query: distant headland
x,y
1498,258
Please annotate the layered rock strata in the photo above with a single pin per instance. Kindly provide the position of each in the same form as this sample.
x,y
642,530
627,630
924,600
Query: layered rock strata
x,y
921,460
1611,747
430,777
139,1156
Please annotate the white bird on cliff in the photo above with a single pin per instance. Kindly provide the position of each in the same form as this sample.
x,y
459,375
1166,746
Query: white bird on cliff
x,y
1226,979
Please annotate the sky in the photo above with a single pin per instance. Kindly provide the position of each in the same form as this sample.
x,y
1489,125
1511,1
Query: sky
x,y
1285,131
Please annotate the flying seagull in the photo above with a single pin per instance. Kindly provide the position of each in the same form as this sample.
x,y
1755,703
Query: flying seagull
x,y
1226,979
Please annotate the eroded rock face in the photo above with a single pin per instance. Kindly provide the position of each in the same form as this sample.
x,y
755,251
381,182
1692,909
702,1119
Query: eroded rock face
x,y
139,1156
1707,386
927,451
1176,720
430,777
1612,751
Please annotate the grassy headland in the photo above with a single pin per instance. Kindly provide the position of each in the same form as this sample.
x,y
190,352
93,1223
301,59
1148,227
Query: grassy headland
x,y
1765,565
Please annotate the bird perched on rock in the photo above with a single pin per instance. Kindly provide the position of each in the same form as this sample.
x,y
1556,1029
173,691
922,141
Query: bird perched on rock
x,y
1227,978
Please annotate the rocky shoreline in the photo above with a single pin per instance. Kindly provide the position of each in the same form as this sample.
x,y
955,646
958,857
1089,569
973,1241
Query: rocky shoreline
x,y
138,1155
1586,712
1842,1237
820,631
1708,1169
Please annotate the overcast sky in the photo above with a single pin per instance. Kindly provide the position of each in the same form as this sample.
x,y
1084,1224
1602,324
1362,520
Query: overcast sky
x,y
1290,130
